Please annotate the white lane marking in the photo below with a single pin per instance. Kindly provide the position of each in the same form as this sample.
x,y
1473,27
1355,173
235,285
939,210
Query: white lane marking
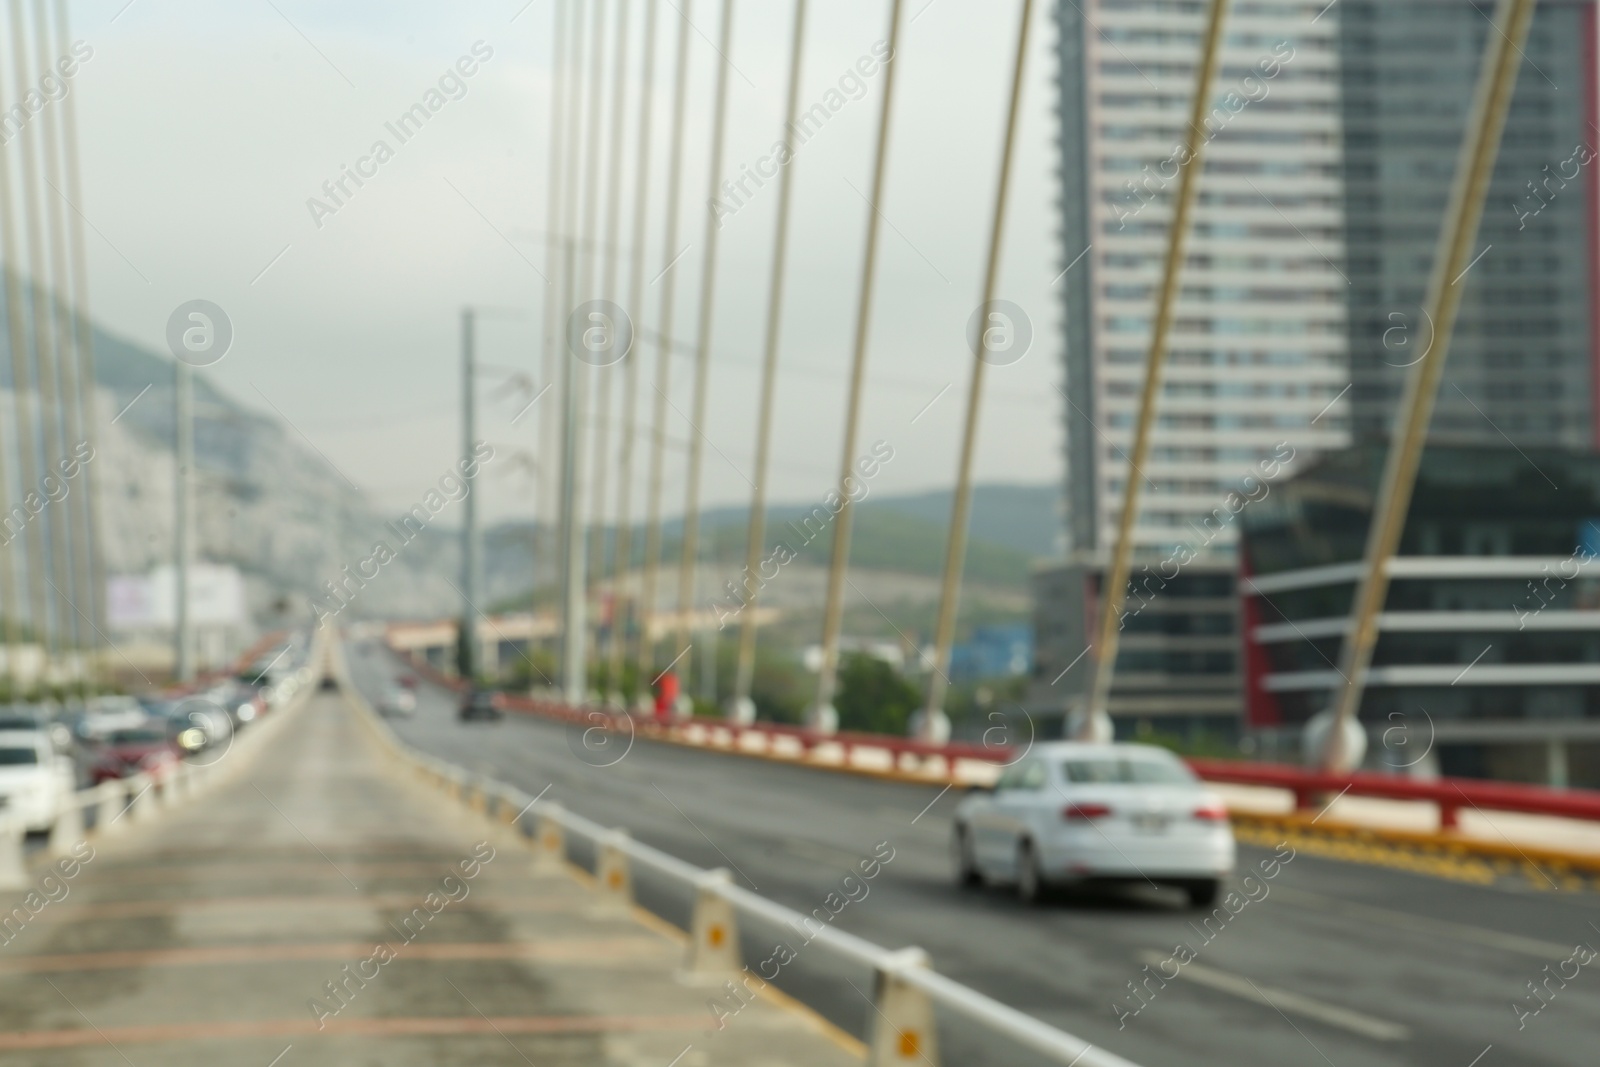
x,y
1283,1000
1421,925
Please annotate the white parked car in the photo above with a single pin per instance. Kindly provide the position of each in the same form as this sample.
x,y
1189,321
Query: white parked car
x,y
33,777
1071,812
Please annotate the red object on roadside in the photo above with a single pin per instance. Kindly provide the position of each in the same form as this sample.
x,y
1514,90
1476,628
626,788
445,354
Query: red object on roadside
x,y
666,695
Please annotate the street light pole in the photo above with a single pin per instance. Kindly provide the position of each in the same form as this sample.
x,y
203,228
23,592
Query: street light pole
x,y
183,541
574,683
471,555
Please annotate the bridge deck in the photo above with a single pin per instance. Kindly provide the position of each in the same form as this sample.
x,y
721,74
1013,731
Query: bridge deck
x,y
321,909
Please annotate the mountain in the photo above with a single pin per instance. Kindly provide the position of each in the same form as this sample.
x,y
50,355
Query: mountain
x,y
266,502
272,506
1012,527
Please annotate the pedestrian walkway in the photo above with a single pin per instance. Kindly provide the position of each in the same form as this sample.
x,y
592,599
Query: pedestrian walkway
x,y
322,908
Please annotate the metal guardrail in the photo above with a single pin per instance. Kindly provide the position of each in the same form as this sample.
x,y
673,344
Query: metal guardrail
x,y
907,988
1450,794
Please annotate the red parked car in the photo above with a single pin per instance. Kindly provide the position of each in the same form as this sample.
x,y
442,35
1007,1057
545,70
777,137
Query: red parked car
x,y
126,752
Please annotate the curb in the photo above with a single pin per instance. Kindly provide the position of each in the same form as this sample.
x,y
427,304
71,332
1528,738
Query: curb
x,y
1443,854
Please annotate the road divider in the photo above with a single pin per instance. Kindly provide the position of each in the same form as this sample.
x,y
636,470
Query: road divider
x,y
907,991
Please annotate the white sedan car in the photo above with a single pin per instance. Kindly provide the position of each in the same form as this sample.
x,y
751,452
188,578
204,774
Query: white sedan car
x,y
1070,812
34,778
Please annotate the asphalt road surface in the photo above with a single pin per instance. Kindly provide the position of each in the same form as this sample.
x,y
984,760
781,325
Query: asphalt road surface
x,y
1338,963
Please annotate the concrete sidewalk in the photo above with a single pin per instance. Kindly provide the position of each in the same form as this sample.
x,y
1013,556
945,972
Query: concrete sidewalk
x,y
322,909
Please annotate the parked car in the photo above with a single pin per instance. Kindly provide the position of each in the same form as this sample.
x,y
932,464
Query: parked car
x,y
1071,812
149,748
33,777
479,704
399,702
103,714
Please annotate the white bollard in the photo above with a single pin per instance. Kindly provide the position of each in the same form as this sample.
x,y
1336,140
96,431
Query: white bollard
x,y
549,842
67,830
713,929
13,868
108,813
141,799
612,877
904,1032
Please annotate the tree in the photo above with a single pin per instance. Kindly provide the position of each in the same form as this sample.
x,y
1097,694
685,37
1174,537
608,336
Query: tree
x,y
873,697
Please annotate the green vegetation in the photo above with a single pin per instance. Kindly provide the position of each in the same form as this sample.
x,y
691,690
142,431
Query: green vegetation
x,y
874,697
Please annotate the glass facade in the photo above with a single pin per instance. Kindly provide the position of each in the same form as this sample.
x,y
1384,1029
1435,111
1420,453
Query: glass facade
x,y
1258,349
1522,355
1491,625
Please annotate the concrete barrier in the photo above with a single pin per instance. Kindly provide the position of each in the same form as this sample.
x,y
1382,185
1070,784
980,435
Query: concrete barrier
x,y
613,878
904,1032
713,930
67,830
550,842
108,811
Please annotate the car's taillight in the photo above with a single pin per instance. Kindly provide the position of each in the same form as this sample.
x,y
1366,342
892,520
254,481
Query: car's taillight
x,y
1211,813
1075,812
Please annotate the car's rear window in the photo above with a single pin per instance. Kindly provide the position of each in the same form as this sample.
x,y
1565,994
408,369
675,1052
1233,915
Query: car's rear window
x,y
17,757
1109,770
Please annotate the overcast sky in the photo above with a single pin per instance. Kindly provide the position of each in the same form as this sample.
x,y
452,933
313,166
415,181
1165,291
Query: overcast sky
x,y
207,127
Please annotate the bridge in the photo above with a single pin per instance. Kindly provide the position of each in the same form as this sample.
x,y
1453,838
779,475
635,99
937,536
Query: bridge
x,y
608,745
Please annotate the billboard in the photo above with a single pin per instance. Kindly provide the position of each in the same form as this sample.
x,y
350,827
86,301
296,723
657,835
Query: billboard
x,y
149,601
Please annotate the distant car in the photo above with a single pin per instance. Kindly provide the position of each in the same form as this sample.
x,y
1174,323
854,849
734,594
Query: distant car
x,y
398,703
107,713
479,704
150,749
1071,813
329,682
408,681
33,777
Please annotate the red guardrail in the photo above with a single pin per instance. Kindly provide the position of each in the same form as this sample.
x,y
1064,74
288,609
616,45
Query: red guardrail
x,y
1450,794
1311,789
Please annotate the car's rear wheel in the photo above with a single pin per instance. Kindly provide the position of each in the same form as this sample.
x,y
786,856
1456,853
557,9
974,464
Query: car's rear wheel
x,y
967,875
1031,888
1203,893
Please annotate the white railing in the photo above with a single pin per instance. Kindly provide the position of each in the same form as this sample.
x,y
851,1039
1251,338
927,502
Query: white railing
x,y
907,988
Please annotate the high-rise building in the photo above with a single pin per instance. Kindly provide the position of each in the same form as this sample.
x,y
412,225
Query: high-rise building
x,y
1259,349
1332,141
1522,362
1258,360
